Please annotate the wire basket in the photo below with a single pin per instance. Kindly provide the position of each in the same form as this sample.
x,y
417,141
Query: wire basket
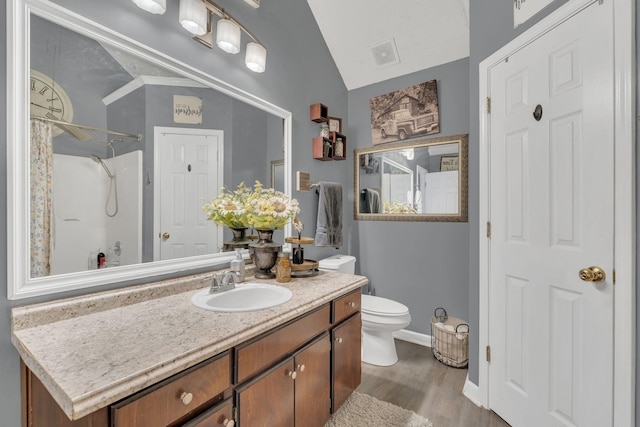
x,y
449,339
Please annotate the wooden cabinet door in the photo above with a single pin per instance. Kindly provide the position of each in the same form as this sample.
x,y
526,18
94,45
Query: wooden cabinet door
x,y
313,384
346,359
268,400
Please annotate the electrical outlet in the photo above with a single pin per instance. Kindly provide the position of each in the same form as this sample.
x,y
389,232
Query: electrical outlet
x,y
253,3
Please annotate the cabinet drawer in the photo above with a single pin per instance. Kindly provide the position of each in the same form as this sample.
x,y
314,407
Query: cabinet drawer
x,y
219,415
175,397
266,350
345,306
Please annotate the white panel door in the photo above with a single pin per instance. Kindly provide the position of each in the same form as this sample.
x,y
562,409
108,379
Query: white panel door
x,y
189,175
551,211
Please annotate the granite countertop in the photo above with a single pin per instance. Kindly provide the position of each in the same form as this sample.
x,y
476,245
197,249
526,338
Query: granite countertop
x,y
94,350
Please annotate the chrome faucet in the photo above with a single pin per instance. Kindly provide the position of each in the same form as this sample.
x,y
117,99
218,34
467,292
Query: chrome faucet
x,y
226,283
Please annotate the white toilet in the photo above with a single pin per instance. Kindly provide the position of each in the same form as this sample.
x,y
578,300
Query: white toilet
x,y
380,317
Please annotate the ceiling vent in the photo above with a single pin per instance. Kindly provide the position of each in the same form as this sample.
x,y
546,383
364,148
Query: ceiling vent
x,y
385,53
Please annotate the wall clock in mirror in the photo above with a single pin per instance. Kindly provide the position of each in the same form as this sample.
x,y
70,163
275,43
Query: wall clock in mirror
x,y
48,99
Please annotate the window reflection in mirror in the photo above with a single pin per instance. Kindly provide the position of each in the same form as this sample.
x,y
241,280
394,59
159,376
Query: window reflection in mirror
x,y
126,199
421,180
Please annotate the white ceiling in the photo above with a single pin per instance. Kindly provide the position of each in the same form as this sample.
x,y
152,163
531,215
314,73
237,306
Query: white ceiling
x,y
426,33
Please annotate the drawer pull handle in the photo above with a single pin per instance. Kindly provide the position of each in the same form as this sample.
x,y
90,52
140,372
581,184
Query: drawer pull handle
x,y
186,397
352,304
339,340
292,374
301,368
228,423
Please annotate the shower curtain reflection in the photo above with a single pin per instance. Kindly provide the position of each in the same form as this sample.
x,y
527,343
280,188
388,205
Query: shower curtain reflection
x,y
41,177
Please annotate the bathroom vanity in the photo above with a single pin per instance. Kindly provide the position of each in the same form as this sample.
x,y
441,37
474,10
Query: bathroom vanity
x,y
146,356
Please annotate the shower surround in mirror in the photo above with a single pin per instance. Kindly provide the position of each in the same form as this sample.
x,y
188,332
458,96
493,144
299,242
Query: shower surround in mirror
x,y
81,225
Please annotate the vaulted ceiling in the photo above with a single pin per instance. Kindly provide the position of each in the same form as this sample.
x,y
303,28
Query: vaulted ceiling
x,y
376,40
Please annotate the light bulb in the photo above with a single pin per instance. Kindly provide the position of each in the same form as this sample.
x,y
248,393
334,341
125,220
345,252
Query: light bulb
x,y
228,36
256,57
193,16
157,7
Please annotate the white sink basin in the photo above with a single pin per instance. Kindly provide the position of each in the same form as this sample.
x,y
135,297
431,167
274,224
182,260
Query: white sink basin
x,y
249,296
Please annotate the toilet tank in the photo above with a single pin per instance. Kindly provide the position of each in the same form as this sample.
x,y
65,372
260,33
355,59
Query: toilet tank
x,y
340,263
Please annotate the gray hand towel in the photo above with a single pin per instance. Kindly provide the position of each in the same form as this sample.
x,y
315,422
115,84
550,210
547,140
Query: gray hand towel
x,y
329,222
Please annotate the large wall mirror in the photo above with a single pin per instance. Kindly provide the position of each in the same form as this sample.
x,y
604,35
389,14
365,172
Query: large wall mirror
x,y
420,180
113,148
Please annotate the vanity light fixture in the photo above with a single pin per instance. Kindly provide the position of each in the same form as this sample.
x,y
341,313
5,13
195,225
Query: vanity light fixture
x,y
157,7
196,16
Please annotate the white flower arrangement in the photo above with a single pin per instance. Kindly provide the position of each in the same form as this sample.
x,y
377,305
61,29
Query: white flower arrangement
x,y
398,208
260,208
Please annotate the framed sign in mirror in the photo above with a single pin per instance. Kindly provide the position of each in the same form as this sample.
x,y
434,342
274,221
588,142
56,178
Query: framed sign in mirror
x,y
420,180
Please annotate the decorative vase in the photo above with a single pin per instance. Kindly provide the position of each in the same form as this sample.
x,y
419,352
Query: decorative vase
x,y
264,254
239,240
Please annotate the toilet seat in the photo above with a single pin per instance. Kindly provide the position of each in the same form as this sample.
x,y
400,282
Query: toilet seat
x,y
382,306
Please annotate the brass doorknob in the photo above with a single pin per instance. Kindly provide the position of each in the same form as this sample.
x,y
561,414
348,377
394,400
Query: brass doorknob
x,y
592,274
165,236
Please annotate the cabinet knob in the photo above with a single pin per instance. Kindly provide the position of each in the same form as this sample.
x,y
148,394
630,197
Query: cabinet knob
x,y
292,374
339,340
301,368
352,304
186,397
228,423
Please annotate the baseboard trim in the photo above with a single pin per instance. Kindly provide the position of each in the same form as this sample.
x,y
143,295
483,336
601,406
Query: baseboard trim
x,y
471,392
413,337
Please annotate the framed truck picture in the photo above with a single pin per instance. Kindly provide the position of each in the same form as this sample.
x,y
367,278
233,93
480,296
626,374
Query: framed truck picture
x,y
405,113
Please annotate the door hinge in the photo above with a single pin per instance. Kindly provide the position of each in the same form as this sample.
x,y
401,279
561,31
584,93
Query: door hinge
x,y
614,276
488,105
234,414
489,229
488,351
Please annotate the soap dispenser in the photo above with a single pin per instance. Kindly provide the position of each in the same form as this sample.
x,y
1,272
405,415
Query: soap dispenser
x,y
237,265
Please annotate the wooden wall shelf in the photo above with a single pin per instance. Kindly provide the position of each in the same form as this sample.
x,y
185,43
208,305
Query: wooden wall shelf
x,y
319,113
325,148
322,148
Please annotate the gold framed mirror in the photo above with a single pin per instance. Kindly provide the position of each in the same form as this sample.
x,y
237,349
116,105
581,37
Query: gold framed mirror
x,y
419,180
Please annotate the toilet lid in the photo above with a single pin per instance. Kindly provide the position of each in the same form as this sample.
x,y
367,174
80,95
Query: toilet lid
x,y
382,306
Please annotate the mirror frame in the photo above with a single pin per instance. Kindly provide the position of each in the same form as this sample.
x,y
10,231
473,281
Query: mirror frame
x,y
463,176
19,283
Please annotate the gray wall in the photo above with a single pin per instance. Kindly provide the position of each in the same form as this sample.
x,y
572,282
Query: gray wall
x,y
289,31
637,210
420,264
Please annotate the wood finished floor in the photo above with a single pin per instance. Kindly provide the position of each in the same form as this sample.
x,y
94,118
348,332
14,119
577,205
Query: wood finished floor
x,y
421,383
